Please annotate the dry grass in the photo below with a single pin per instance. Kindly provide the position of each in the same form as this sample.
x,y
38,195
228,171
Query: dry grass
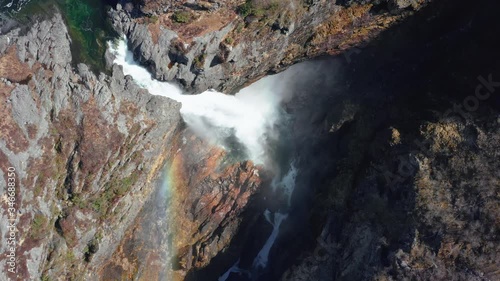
x,y
395,137
458,193
445,136
348,27
200,23
12,69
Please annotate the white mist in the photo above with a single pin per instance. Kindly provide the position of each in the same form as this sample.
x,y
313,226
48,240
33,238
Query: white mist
x,y
250,115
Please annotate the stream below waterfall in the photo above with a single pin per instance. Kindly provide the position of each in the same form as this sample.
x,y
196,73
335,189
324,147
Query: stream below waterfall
x,y
255,118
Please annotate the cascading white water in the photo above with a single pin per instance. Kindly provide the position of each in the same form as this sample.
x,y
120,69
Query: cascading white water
x,y
287,182
249,115
261,260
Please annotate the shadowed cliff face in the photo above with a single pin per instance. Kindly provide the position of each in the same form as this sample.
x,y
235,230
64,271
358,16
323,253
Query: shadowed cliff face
x,y
400,156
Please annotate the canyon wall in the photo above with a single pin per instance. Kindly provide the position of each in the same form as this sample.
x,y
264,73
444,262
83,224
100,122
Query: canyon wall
x,y
226,44
402,154
392,185
86,150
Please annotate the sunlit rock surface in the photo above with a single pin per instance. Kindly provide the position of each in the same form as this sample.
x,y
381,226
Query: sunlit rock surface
x,y
225,44
390,185
86,149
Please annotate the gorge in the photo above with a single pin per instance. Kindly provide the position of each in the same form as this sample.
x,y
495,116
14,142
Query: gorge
x,y
250,116
252,140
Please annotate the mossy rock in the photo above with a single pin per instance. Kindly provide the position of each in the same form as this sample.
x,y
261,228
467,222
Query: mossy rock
x,y
181,17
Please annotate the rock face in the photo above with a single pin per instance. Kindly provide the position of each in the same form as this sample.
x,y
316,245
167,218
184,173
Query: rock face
x,y
395,180
225,44
207,195
88,151
407,170
85,148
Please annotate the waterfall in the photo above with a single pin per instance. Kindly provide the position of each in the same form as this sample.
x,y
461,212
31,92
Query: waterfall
x,y
287,182
234,269
261,260
287,185
249,116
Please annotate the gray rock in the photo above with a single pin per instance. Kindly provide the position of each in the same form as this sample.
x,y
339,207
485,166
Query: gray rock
x,y
402,4
76,134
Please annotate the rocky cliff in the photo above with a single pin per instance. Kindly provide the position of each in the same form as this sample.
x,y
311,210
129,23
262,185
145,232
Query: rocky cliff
x,y
398,166
406,181
88,147
225,44
200,217
86,150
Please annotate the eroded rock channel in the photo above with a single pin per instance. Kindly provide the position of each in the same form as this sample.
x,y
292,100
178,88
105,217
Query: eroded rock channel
x,y
376,158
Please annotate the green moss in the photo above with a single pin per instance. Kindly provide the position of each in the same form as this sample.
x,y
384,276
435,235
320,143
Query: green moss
x,y
60,176
38,226
240,27
87,22
70,256
78,201
181,17
153,19
250,8
113,190
38,190
229,40
273,6
125,184
199,61
98,236
245,9
101,204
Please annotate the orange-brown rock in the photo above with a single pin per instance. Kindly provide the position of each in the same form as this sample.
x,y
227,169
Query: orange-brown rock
x,y
228,43
208,193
